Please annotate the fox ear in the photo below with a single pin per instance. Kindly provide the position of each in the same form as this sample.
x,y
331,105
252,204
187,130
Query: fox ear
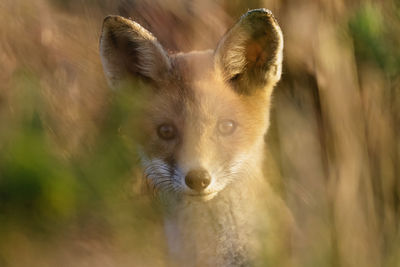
x,y
130,51
249,55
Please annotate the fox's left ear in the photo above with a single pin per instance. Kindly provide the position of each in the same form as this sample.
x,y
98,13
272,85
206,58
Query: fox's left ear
x,y
249,55
129,51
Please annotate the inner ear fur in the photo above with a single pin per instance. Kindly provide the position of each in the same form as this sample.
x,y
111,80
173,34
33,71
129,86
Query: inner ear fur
x,y
249,55
130,51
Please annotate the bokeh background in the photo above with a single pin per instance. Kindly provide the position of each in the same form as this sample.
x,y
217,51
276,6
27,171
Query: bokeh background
x,y
70,187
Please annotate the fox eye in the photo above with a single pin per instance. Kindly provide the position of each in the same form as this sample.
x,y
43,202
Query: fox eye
x,y
166,131
226,127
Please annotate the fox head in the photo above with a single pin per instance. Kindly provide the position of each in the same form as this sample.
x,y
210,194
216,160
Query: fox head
x,y
204,114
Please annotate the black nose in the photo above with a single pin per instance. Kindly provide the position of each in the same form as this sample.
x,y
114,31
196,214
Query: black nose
x,y
198,180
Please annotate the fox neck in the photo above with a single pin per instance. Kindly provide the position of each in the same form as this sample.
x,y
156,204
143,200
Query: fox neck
x,y
218,232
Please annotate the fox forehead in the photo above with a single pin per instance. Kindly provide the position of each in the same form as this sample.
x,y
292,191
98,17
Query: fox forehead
x,y
192,89
195,91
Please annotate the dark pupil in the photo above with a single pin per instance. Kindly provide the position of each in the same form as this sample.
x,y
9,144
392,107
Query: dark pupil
x,y
166,131
226,127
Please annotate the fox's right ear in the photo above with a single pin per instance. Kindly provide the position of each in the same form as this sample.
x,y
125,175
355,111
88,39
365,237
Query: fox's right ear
x,y
130,51
249,55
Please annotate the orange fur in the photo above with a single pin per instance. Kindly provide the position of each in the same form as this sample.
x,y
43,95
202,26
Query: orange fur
x,y
194,94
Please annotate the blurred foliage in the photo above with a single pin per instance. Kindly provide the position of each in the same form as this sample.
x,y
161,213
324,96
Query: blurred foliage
x,y
70,187
376,38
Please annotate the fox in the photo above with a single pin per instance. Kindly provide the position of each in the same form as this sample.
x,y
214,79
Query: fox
x,y
201,126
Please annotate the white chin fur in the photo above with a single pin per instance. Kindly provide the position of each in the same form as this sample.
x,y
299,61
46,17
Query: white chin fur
x,y
200,198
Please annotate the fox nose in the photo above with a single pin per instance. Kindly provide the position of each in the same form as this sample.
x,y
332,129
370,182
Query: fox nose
x,y
198,180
